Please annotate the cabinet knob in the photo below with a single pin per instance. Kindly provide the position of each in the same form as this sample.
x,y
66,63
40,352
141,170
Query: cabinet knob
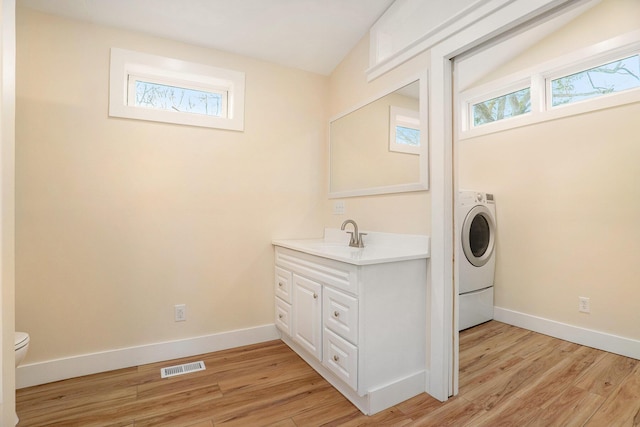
x,y
280,316
315,296
336,314
335,358
280,284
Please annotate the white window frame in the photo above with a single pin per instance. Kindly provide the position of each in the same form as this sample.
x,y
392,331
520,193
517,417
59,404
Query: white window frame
x,y
396,119
583,66
127,65
539,79
486,93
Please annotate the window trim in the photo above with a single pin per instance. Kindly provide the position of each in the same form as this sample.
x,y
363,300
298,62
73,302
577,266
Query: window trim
x,y
125,63
539,78
497,91
588,64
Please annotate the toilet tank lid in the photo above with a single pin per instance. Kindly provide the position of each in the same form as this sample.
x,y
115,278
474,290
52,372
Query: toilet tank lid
x,y
21,338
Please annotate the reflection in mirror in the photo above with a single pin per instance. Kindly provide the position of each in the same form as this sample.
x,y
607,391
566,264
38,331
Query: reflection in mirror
x,y
378,148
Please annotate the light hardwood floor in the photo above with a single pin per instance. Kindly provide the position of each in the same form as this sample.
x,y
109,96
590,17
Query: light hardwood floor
x,y
508,377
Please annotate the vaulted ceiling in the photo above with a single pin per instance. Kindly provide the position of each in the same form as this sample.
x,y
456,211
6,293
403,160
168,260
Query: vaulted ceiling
x,y
313,35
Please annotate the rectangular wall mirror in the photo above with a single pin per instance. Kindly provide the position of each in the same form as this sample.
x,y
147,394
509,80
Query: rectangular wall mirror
x,y
381,146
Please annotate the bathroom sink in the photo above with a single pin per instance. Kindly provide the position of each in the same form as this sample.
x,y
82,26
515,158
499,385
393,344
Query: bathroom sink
x,y
337,251
378,247
334,247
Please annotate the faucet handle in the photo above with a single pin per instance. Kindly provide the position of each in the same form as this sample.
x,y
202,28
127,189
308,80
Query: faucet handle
x,y
361,241
352,240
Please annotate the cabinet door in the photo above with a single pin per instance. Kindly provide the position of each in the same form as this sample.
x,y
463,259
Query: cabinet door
x,y
307,314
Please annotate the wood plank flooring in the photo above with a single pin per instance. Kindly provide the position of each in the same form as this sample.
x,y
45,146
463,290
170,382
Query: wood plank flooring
x,y
508,377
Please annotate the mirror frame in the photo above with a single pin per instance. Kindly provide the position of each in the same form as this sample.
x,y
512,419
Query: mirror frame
x,y
423,182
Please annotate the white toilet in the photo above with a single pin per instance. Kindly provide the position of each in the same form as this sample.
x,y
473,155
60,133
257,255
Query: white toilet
x,y
21,346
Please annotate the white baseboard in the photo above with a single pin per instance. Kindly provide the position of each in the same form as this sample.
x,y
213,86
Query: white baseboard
x,y
396,392
86,364
374,401
600,340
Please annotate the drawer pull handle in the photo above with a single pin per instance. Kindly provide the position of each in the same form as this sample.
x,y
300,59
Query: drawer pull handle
x,y
336,314
280,316
315,296
280,284
335,358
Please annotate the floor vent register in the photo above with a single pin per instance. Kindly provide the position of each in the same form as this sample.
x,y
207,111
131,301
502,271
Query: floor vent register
x,y
186,368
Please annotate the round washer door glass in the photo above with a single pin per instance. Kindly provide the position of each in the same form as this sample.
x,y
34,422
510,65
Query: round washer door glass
x,y
478,235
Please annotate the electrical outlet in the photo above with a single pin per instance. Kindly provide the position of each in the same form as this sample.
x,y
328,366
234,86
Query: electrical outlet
x,y
180,312
583,305
338,207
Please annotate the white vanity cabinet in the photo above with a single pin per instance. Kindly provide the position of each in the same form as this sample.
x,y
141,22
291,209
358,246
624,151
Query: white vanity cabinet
x,y
362,327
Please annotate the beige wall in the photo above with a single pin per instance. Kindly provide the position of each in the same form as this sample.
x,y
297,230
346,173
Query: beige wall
x,y
348,86
118,220
567,197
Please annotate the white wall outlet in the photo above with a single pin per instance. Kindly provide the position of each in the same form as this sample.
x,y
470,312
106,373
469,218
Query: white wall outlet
x,y
584,305
180,312
338,207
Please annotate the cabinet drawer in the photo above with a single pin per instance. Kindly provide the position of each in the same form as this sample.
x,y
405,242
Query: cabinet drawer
x,y
283,316
340,312
341,358
283,284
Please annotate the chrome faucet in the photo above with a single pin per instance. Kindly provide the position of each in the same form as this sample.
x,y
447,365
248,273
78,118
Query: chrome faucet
x,y
356,238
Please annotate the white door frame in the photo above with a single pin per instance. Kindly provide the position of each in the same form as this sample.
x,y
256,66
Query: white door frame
x,y
443,340
7,209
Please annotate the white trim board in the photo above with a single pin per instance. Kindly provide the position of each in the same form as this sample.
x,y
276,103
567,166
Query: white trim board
x,y
86,364
442,339
600,340
375,400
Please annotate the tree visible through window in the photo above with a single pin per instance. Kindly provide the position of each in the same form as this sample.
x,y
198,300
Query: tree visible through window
x,y
170,90
502,107
404,130
616,76
165,97
600,76
407,136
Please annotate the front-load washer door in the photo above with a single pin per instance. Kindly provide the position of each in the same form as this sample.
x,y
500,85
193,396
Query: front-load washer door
x,y
478,235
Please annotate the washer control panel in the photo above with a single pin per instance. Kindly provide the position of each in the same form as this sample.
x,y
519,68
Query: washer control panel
x,y
475,197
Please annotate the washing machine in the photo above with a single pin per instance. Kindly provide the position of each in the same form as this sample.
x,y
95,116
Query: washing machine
x,y
476,226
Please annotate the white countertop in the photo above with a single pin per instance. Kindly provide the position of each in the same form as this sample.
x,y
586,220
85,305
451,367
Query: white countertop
x,y
379,247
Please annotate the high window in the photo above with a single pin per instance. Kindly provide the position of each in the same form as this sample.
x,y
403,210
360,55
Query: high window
x,y
502,107
143,92
612,77
600,76
404,136
149,87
